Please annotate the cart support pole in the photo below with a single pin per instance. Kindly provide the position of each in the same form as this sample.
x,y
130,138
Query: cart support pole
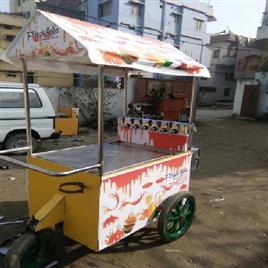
x,y
100,118
27,106
193,101
125,92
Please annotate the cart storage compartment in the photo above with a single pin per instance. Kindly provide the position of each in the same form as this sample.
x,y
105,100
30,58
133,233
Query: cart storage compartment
x,y
136,180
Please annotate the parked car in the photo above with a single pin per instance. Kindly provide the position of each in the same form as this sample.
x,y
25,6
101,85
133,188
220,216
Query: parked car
x,y
12,116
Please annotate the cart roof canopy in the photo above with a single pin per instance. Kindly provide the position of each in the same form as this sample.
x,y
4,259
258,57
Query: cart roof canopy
x,y
52,42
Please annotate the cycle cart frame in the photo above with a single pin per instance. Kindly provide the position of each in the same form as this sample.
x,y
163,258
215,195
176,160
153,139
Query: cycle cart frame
x,y
100,194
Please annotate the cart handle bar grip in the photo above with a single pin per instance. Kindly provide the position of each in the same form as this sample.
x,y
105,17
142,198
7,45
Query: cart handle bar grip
x,y
46,171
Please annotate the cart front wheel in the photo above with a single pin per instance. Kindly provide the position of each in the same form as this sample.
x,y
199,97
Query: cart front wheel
x,y
32,250
176,216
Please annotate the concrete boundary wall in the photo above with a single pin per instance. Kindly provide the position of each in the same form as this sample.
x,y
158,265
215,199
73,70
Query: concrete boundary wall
x,y
260,78
83,98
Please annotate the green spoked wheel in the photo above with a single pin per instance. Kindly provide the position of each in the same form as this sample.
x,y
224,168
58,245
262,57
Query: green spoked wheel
x,y
176,216
32,250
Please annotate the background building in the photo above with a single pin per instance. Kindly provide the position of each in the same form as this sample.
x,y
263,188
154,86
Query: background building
x,y
23,7
251,72
181,23
262,31
9,26
255,58
68,8
221,86
11,23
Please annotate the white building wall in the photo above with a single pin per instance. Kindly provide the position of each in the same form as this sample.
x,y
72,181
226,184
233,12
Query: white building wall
x,y
239,92
117,106
263,97
58,98
53,94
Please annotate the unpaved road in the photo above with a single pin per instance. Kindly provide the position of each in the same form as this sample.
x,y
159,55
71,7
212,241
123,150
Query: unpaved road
x,y
228,233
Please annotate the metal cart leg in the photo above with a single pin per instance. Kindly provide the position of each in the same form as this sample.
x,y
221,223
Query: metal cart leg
x,y
125,93
27,107
100,118
193,102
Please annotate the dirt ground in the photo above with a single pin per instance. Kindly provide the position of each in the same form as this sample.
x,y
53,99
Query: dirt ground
x,y
232,232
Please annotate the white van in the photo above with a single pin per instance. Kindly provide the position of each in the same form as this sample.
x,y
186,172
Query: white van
x,y
12,116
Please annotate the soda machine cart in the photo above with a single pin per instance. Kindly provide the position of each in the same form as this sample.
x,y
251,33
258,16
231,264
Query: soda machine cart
x,y
101,193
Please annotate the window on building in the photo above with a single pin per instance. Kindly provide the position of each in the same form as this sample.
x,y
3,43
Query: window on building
x,y
76,79
8,27
10,37
105,9
227,92
19,3
27,14
30,77
229,76
232,51
177,18
135,10
83,15
13,98
198,24
207,89
216,53
12,74
177,23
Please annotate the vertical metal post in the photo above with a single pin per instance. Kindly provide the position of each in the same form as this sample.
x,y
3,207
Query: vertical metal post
x,y
163,19
125,93
201,52
198,79
100,118
193,101
27,106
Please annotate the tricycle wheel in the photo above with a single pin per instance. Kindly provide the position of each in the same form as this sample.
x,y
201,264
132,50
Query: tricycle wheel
x,y
32,250
176,216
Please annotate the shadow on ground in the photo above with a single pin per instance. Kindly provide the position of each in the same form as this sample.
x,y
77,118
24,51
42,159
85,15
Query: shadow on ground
x,y
147,238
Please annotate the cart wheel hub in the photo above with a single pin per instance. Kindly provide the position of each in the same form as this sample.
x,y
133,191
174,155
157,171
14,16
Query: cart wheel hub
x,y
177,216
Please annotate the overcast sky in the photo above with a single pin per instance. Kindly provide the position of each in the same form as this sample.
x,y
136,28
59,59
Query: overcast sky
x,y
241,16
4,5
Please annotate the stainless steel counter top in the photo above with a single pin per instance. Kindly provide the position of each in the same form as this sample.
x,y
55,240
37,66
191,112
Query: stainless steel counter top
x,y
117,155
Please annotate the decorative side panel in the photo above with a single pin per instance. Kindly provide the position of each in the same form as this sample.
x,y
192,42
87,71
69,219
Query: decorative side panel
x,y
128,200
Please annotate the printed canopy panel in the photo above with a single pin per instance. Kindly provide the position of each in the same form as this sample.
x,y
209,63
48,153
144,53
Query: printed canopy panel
x,y
53,42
